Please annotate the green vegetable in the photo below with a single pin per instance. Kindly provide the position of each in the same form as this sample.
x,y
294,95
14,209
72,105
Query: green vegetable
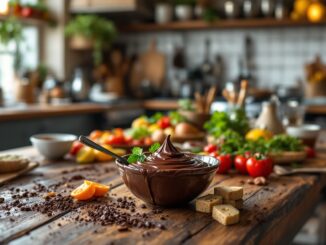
x,y
154,147
138,155
221,122
284,142
153,119
139,133
176,117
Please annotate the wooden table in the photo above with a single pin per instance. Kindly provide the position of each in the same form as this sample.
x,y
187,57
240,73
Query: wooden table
x,y
272,214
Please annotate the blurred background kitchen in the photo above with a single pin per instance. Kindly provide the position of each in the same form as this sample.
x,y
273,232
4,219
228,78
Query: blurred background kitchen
x,y
145,55
73,66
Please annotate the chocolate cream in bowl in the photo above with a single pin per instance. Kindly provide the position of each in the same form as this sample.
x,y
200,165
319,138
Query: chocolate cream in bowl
x,y
168,176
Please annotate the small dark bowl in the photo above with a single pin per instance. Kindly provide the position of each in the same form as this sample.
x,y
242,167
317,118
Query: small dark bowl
x,y
169,187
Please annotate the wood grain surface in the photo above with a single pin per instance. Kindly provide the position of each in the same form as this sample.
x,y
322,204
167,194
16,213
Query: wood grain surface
x,y
272,214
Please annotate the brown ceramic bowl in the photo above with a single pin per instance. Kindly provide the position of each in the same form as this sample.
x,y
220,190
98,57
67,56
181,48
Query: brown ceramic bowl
x,y
169,187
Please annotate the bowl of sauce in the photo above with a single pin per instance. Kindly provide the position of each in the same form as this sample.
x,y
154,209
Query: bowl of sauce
x,y
53,146
169,177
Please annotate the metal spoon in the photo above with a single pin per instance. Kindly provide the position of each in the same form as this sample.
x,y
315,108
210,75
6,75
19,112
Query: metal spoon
x,y
280,170
92,144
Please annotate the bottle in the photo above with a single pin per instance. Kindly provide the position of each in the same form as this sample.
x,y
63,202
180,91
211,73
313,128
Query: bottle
x,y
206,66
79,86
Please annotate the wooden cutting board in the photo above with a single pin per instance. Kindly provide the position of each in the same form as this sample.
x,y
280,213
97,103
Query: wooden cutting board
x,y
4,178
153,65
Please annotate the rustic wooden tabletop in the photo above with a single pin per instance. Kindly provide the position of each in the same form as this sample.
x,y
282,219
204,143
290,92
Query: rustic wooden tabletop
x,y
272,214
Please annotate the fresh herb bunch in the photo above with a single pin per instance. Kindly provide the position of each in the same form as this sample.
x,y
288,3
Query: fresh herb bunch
x,y
176,117
138,155
230,142
284,143
139,133
222,122
153,119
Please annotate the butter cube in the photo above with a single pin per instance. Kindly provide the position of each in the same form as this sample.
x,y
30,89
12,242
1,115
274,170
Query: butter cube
x,y
205,204
238,204
226,214
229,192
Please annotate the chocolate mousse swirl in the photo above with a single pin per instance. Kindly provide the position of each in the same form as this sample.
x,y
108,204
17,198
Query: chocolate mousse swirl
x,y
167,157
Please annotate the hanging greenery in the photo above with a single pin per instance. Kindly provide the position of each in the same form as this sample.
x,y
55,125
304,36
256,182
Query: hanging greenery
x,y
10,30
97,29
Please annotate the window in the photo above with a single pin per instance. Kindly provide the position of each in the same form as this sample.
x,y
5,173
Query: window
x,y
29,48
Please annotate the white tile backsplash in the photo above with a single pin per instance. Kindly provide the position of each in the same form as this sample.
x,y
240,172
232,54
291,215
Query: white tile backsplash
x,y
280,53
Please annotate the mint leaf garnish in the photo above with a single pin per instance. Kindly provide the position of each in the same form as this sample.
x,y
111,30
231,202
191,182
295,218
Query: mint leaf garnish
x,y
137,151
132,158
154,147
138,154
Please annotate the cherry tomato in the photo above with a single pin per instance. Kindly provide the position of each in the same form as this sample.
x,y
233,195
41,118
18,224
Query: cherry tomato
x,y
225,163
115,140
164,122
96,134
240,163
210,148
76,147
259,166
311,153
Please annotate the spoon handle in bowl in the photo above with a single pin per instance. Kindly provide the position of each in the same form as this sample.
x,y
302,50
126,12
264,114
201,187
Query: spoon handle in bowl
x,y
92,144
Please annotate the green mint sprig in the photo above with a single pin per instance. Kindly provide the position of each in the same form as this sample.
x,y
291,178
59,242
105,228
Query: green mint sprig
x,y
138,155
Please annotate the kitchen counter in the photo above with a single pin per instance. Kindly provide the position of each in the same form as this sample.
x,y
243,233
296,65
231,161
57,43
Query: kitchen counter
x,y
273,213
43,111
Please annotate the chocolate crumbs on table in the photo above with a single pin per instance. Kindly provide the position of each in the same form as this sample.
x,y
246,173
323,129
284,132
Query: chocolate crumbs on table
x,y
55,199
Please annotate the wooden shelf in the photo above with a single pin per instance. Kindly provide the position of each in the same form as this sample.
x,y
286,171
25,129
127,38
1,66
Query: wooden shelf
x,y
219,24
27,21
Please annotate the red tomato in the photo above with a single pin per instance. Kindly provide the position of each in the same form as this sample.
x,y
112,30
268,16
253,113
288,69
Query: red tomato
x,y
26,12
210,148
310,152
164,122
259,165
115,140
240,163
225,163
75,148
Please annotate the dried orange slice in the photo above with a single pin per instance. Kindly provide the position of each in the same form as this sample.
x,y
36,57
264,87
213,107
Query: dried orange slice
x,y
100,189
83,192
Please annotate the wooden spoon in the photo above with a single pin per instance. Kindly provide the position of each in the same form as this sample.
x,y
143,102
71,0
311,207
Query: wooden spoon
x,y
279,170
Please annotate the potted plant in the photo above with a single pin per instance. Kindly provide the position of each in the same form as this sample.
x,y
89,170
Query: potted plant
x,y
163,12
91,32
184,9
